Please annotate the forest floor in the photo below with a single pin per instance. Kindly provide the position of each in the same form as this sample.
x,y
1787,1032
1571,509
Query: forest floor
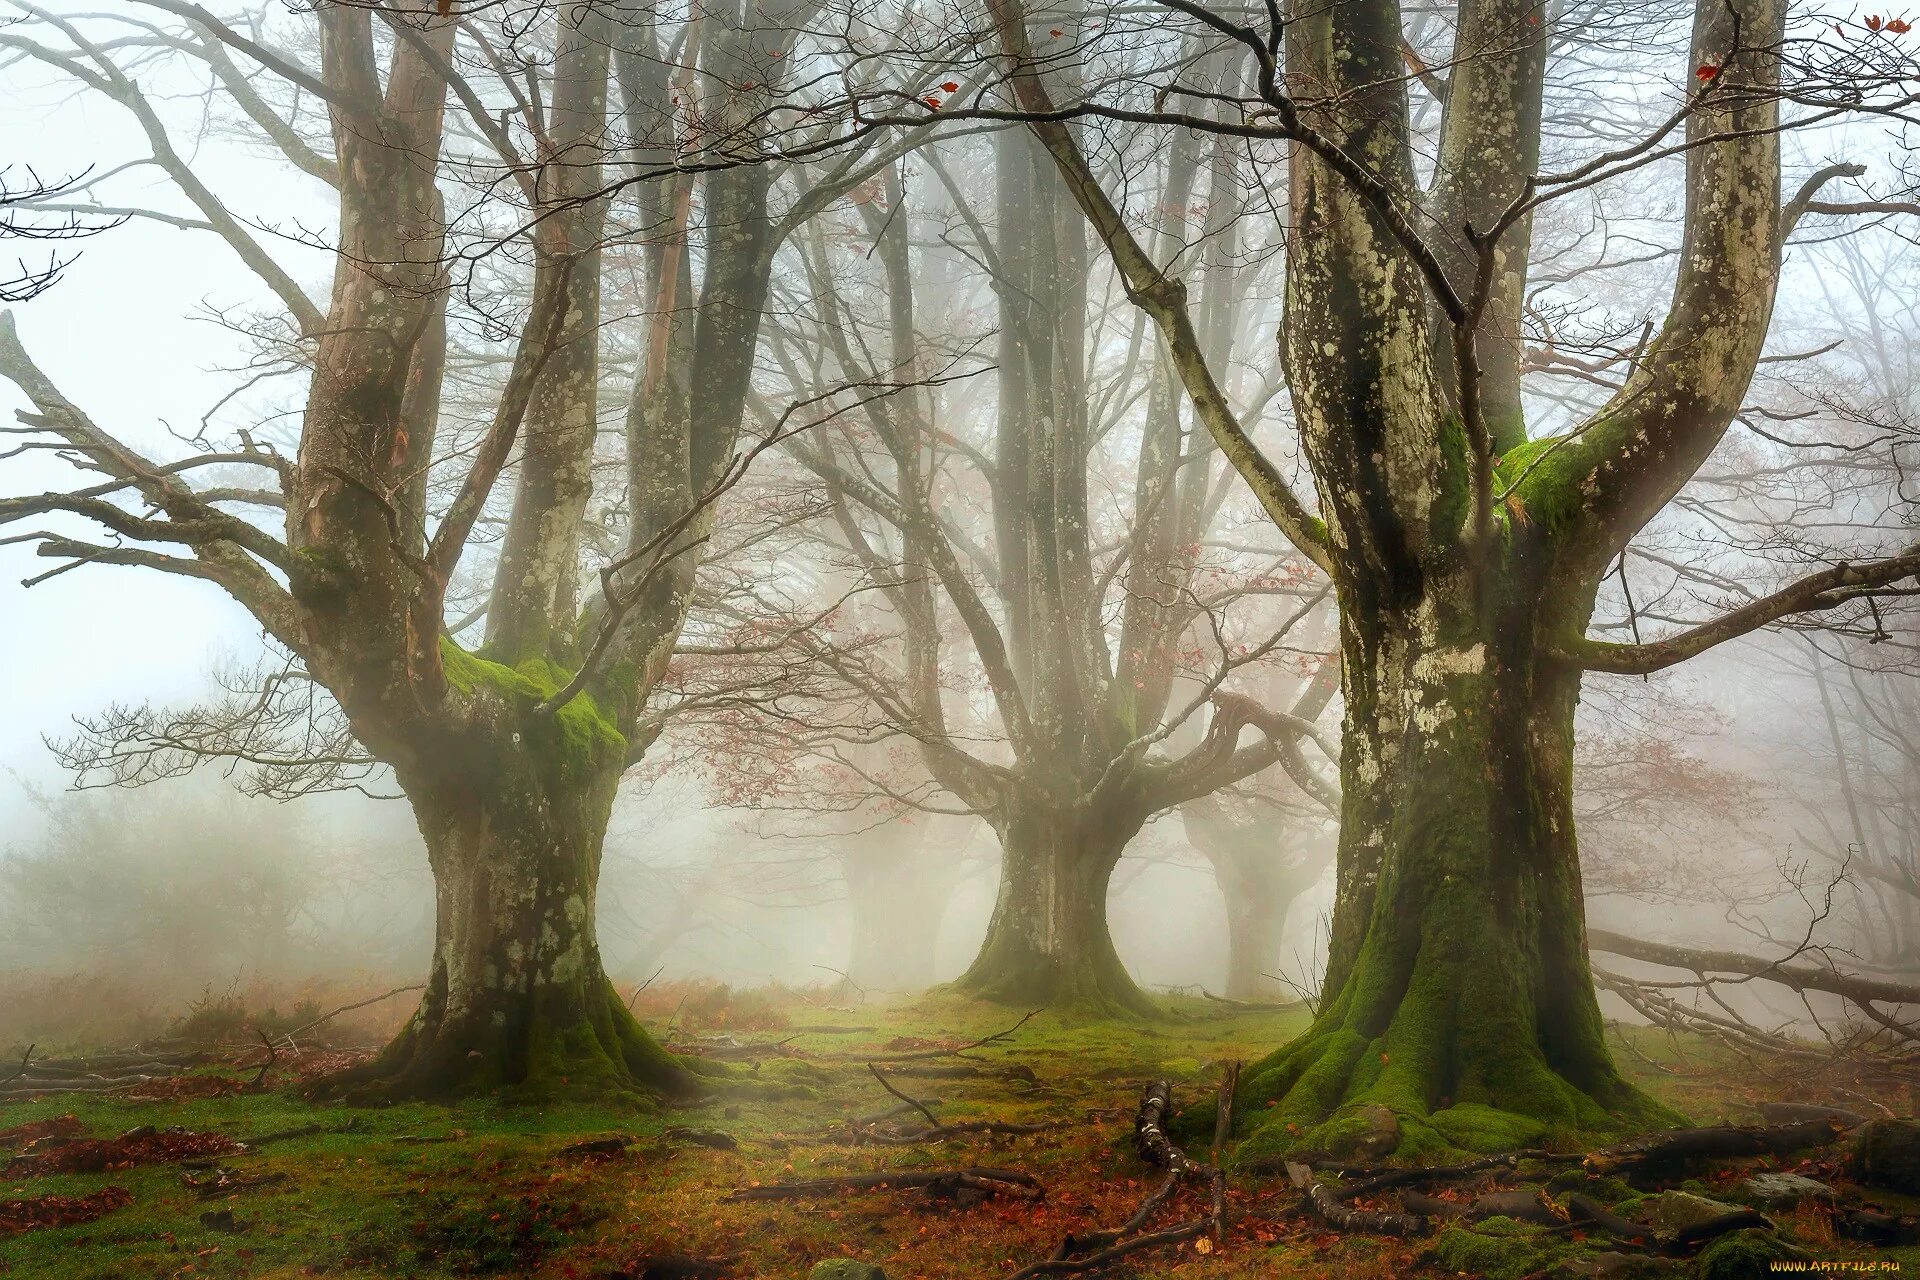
x,y
489,1189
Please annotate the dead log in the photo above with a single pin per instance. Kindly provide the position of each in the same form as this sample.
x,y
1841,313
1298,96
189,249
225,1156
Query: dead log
x,y
1676,1146
1690,1238
1426,1206
1530,1205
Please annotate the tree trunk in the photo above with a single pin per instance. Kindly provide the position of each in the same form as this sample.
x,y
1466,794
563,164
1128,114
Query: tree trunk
x,y
1048,941
896,901
514,809
1256,922
1458,994
896,930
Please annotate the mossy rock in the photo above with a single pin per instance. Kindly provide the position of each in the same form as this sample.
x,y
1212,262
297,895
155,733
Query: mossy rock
x,y
845,1269
1499,1249
1886,1153
1744,1255
1673,1210
1606,1190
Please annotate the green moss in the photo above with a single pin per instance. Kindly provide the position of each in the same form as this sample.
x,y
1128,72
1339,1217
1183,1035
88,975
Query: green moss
x,y
1498,1249
581,736
1744,1255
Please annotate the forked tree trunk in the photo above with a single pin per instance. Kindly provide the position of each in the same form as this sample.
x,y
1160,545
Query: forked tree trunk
x,y
514,811
1458,994
1048,942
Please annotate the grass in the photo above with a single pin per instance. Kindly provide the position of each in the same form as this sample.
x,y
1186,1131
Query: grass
x,y
494,1195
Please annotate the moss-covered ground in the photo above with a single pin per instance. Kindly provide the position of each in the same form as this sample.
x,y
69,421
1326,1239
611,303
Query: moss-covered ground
x,y
486,1189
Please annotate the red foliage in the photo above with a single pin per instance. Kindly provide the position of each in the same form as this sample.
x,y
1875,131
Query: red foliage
x,y
59,1154
60,1211
57,1127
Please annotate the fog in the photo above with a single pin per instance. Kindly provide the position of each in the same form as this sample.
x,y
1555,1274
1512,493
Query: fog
x,y
1397,523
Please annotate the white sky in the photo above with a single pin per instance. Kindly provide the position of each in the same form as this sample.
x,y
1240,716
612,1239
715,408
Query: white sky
x,y
119,336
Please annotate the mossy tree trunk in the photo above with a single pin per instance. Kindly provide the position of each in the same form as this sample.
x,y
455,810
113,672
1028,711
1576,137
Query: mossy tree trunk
x,y
1048,942
898,891
513,805
1263,858
1458,997
1458,994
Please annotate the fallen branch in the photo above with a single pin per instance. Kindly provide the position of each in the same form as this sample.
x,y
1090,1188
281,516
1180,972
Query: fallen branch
x,y
305,1027
1328,1206
1675,1146
1157,1149
21,1070
1863,992
922,1055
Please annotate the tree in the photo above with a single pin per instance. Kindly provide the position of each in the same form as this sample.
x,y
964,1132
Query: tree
x,y
447,148
1466,555
1044,610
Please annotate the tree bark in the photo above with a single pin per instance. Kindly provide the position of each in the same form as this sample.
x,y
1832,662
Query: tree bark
x,y
514,806
1048,942
1458,993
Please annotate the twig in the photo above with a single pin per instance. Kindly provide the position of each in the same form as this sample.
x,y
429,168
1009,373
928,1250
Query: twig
x,y
259,1077
923,1054
25,1058
888,1086
349,1008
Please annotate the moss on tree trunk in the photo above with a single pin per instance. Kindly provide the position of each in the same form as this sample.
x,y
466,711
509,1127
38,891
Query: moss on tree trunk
x,y
1048,942
514,810
1458,993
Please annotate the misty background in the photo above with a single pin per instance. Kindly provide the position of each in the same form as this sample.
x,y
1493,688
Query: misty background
x,y
1724,803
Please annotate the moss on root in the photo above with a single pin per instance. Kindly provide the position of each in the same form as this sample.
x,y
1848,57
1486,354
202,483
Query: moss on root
x,y
524,1056
1498,1249
1744,1255
1450,1048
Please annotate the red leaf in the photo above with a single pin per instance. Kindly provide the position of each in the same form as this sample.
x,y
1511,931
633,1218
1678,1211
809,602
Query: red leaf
x,y
1873,22
1706,71
1898,26
951,87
